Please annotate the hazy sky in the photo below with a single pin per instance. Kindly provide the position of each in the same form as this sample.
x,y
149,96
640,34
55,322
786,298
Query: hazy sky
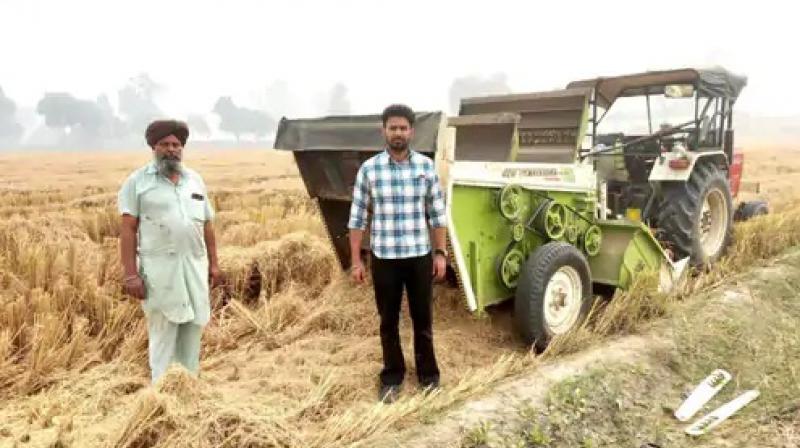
x,y
404,50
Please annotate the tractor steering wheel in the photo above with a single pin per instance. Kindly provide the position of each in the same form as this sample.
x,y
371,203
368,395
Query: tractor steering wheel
x,y
667,136
658,135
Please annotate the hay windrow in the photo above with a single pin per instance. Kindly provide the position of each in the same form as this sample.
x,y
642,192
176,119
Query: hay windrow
x,y
296,258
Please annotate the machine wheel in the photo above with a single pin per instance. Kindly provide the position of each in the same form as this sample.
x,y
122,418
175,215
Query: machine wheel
x,y
554,293
747,210
696,217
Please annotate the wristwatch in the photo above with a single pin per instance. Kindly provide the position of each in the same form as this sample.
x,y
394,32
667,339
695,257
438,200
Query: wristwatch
x,y
441,252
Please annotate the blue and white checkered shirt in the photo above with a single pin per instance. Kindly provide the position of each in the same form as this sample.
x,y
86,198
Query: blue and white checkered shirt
x,y
401,194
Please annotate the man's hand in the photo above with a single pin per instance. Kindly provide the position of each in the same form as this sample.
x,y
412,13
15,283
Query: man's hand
x,y
356,265
357,272
214,276
439,267
134,286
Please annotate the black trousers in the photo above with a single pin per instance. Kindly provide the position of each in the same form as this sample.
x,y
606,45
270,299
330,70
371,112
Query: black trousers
x,y
389,277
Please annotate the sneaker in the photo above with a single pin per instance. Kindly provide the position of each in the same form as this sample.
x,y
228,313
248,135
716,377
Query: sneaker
x,y
388,393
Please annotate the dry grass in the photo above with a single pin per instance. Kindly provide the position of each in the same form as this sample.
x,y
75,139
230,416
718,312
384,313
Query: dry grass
x,y
294,366
747,327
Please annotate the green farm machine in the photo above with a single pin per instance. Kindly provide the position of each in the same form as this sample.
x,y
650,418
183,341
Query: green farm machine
x,y
553,197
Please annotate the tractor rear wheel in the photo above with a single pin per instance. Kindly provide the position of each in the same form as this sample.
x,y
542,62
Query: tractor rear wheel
x,y
696,216
554,293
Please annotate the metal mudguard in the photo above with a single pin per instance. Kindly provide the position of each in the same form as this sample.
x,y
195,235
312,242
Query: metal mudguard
x,y
663,172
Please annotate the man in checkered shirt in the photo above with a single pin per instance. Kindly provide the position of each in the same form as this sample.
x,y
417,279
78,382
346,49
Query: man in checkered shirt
x,y
403,189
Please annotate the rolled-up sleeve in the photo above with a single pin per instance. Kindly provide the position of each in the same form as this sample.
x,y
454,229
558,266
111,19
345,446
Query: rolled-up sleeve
x,y
435,202
127,202
208,208
358,208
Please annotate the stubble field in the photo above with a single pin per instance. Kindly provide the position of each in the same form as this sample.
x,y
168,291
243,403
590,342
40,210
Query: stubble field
x,y
295,366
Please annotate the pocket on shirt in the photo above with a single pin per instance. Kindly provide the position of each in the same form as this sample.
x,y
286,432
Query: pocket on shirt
x,y
197,209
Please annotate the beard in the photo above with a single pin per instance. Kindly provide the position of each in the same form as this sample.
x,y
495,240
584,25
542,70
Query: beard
x,y
398,145
168,165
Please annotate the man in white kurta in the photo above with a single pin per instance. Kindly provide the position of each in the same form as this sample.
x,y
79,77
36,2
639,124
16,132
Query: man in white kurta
x,y
168,249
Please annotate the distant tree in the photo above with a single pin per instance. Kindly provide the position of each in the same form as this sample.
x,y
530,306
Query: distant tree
x,y
85,121
137,102
241,121
10,129
113,126
62,110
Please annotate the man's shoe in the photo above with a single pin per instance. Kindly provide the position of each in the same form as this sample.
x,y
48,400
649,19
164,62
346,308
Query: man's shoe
x,y
430,386
388,393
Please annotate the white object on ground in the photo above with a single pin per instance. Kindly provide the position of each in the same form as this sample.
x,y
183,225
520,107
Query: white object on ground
x,y
721,414
702,394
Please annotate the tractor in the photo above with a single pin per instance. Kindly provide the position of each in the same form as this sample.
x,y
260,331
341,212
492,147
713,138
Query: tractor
x,y
553,197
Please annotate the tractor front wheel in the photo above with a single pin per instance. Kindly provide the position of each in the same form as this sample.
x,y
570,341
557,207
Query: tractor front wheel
x,y
554,293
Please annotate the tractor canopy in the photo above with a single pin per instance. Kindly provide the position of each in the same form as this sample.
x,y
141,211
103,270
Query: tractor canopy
x,y
715,82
